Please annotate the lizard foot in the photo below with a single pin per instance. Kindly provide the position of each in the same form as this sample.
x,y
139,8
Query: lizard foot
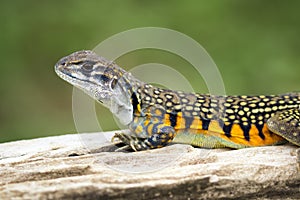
x,y
131,142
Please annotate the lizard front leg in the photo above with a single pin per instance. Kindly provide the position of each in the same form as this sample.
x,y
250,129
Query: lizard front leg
x,y
158,135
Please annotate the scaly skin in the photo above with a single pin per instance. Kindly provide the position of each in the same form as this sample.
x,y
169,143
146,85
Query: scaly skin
x,y
157,116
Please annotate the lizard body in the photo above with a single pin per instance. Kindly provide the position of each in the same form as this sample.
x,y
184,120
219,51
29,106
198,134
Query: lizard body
x,y
158,116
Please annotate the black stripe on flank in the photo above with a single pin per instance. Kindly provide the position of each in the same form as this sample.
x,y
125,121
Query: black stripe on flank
x,y
205,124
246,130
173,119
260,132
227,130
134,101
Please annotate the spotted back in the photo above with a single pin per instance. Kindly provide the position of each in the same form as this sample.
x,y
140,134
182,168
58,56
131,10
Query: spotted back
x,y
236,119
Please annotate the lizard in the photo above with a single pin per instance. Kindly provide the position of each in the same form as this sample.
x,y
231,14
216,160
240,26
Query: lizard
x,y
156,117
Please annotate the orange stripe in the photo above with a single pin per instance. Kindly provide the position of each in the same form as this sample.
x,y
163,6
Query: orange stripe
x,y
180,122
167,120
237,135
196,124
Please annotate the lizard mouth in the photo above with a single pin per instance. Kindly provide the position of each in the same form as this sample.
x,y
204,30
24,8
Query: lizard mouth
x,y
95,91
72,79
67,76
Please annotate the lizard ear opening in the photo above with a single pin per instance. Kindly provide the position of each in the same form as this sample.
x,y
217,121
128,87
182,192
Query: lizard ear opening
x,y
113,83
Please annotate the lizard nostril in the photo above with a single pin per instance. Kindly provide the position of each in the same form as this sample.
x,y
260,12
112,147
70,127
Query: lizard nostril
x,y
60,65
62,62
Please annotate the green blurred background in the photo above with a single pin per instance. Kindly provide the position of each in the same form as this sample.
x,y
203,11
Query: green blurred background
x,y
254,43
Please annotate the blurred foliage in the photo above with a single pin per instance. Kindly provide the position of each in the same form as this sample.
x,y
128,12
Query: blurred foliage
x,y
254,43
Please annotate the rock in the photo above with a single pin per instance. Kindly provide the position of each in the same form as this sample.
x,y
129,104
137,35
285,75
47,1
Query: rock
x,y
85,166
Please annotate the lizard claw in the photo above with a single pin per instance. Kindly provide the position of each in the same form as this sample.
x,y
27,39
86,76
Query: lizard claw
x,y
123,139
131,142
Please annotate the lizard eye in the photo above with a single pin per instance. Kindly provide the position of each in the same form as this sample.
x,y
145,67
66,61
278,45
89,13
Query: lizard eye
x,y
87,67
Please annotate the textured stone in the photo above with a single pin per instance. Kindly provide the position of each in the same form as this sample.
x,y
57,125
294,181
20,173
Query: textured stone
x,y
85,166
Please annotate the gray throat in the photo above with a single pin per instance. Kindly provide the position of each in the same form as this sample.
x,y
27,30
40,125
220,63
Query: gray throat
x,y
120,104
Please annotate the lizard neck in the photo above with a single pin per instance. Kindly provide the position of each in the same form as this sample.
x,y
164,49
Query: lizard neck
x,y
124,103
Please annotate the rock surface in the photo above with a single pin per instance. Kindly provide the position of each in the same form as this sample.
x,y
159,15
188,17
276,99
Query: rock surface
x,y
85,166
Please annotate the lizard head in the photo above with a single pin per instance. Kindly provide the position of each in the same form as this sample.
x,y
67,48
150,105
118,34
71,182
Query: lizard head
x,y
89,72
101,79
